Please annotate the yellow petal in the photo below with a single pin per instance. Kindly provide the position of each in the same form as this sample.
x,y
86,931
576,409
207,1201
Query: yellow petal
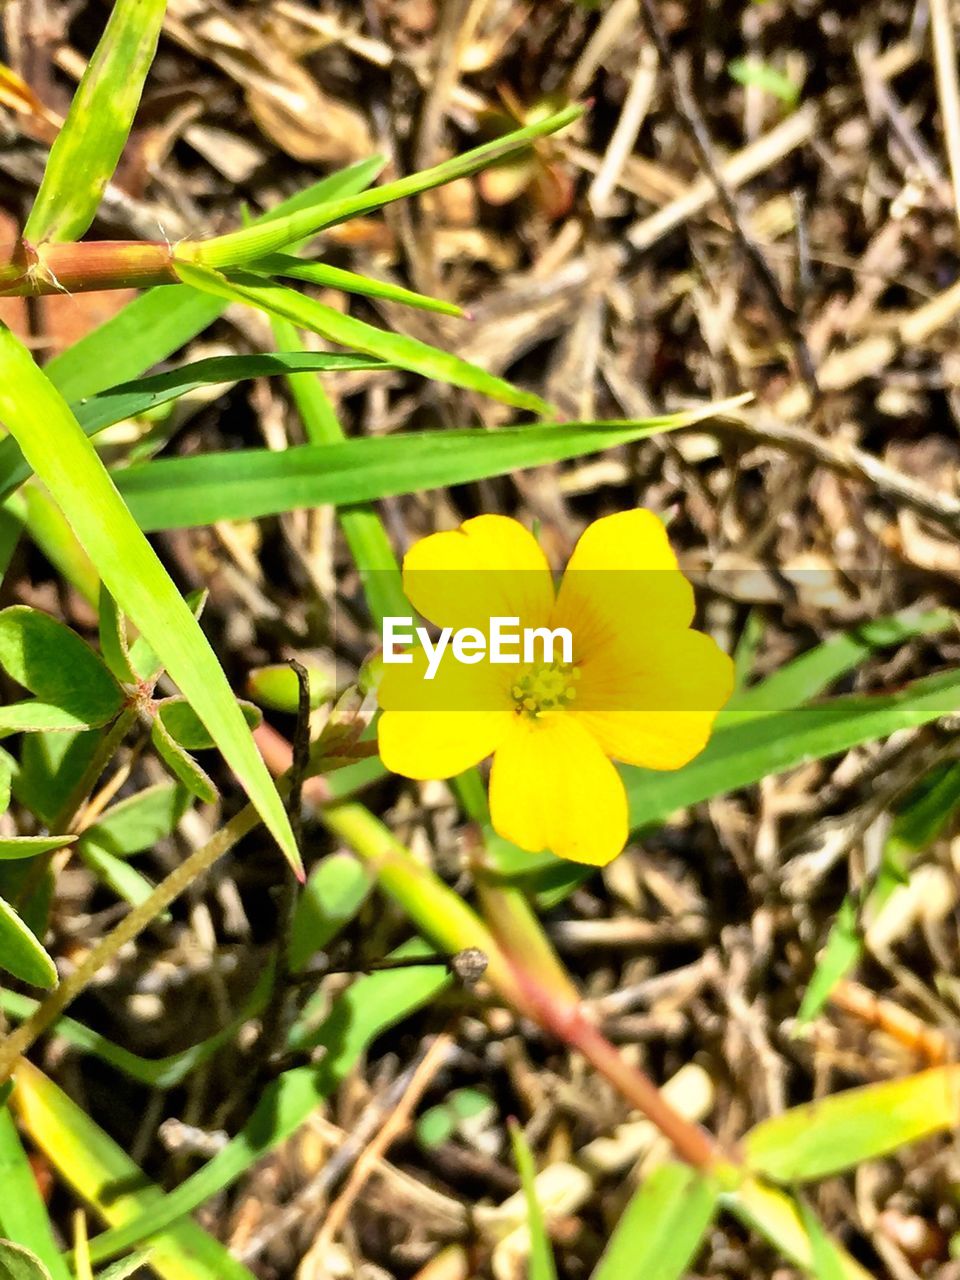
x,y
622,582
551,787
490,567
438,744
437,728
659,710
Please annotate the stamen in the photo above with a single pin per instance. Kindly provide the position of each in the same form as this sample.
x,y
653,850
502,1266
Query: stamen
x,y
545,687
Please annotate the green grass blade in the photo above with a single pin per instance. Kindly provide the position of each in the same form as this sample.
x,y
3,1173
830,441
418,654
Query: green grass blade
x,y
159,322
366,537
826,1265
918,823
246,484
23,1215
105,1177
808,675
839,1132
364,1011
774,1215
397,349
290,268
542,1266
132,398
661,1228
256,242
59,452
85,154
739,755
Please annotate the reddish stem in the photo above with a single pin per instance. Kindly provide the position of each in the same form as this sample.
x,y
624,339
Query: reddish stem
x,y
31,271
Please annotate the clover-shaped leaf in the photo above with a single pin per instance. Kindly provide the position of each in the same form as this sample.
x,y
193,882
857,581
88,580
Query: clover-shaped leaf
x,y
72,687
185,727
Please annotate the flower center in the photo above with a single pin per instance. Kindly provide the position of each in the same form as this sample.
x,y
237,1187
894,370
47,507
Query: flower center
x,y
545,687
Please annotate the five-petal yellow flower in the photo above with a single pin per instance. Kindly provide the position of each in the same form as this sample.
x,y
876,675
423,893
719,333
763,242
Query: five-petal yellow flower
x,y
643,688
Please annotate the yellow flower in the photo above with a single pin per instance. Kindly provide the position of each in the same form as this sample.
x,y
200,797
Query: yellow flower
x,y
642,687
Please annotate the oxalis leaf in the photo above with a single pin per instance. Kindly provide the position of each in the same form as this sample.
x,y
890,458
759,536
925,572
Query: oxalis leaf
x,y
56,448
57,666
17,1262
20,952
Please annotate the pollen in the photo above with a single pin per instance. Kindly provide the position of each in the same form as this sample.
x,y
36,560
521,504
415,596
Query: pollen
x,y
545,687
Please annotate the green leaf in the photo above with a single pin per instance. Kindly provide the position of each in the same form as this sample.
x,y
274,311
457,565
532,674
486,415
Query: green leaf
x,y
917,824
125,1267
807,676
139,821
186,728
105,1177
661,1228
14,847
143,657
775,1216
364,1011
125,881
247,484
66,461
398,349
740,754
113,639
86,151
23,1214
435,1126
163,320
20,952
282,264
51,766
826,1264
50,531
752,71
335,890
251,243
197,781
840,1132
542,1266
52,662
157,1073
20,1263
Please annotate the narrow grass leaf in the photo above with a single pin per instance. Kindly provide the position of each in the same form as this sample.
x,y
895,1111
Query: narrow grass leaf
x,y
825,1264
918,823
661,1228
291,268
159,322
741,754
248,484
129,399
255,242
105,1177
347,331
774,1215
542,1266
23,1214
20,952
64,458
808,675
842,1131
364,1011
85,154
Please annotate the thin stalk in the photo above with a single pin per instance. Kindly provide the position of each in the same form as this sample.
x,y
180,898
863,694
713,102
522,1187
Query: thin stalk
x,y
89,265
